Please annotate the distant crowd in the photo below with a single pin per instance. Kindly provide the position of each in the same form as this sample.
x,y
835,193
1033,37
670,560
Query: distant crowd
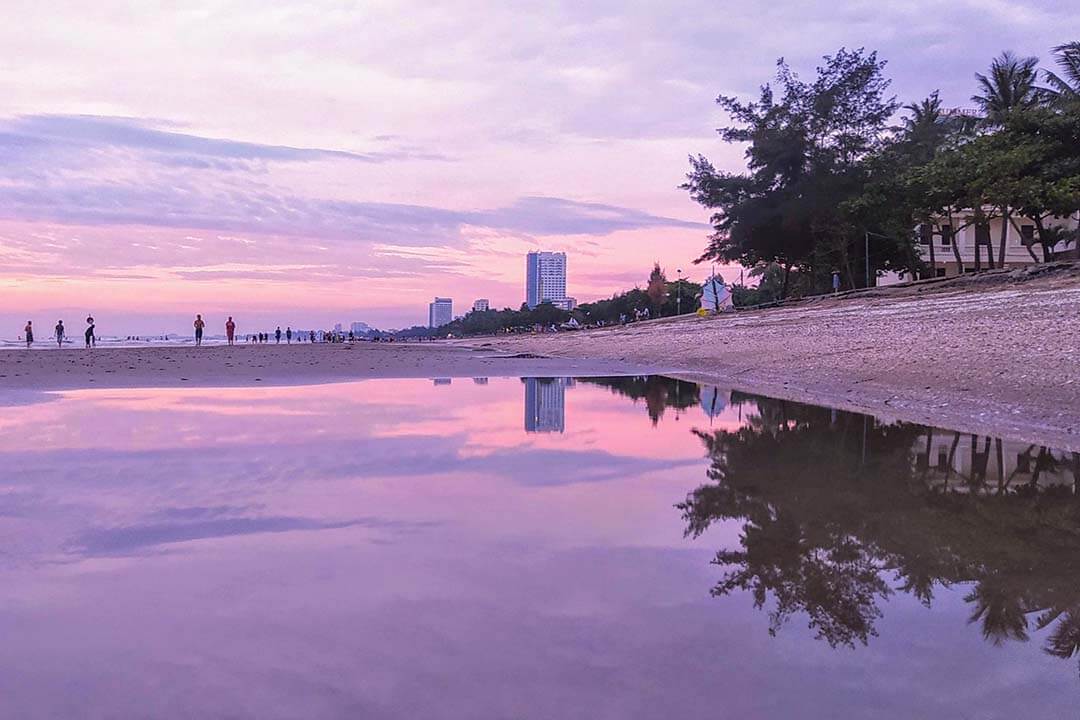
x,y
231,337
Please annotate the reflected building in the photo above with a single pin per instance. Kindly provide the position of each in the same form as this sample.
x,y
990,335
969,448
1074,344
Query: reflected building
x,y
545,404
480,381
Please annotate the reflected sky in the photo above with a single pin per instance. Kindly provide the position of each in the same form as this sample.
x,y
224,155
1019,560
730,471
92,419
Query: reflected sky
x,y
521,548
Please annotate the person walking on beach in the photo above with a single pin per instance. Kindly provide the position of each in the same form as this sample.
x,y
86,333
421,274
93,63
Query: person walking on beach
x,y
59,333
90,340
29,330
230,330
288,335
277,335
199,325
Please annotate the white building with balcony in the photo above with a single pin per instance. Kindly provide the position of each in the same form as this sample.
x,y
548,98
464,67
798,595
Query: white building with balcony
x,y
941,241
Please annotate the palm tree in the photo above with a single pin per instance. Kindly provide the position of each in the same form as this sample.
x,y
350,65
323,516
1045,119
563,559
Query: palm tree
x,y
1009,86
1064,87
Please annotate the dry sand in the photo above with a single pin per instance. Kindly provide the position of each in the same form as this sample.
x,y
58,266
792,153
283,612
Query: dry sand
x,y
993,355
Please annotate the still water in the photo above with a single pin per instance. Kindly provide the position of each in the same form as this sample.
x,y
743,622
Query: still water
x,y
525,548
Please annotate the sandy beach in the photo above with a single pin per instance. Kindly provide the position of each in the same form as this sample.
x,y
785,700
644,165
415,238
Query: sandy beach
x,y
995,353
296,364
991,355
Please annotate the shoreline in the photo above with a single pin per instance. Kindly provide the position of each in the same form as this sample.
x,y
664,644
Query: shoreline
x,y
997,354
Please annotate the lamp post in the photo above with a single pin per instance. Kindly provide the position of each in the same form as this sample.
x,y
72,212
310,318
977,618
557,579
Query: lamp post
x,y
678,295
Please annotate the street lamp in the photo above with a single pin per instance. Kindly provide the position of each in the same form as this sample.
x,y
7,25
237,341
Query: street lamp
x,y
678,297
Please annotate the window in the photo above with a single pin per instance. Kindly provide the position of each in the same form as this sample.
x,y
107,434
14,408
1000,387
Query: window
x,y
946,235
941,272
1023,463
982,234
942,459
1027,235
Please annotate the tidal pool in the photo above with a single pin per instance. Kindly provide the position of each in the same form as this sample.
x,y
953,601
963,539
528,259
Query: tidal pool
x,y
525,548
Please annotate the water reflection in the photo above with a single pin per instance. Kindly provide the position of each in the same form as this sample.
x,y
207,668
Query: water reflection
x,y
838,512
545,403
388,549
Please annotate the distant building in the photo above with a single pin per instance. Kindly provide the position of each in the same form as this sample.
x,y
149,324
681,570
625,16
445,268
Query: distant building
x,y
481,305
545,404
337,327
545,278
480,380
359,328
440,312
945,240
567,304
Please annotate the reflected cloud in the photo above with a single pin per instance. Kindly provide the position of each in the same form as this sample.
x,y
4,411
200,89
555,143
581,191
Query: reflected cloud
x,y
129,539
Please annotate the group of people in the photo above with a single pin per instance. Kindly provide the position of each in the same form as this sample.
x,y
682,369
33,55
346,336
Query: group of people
x,y
230,333
90,334
60,333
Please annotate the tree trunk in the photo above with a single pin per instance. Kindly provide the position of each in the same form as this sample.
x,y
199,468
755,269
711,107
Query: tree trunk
x,y
956,247
1040,229
933,262
989,251
1005,218
784,287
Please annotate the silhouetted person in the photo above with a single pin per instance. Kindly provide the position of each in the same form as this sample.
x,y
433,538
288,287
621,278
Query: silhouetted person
x,y
89,334
199,325
230,330
59,333
288,335
29,330
277,335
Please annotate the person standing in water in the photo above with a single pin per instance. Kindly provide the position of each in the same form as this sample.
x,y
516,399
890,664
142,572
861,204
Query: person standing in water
x,y
230,329
277,335
288,335
199,325
29,330
90,339
59,333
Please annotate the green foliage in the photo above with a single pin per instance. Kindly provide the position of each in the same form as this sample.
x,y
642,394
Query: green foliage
x,y
806,153
825,171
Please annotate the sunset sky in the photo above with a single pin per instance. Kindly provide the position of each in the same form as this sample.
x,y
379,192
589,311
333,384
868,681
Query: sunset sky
x,y
317,162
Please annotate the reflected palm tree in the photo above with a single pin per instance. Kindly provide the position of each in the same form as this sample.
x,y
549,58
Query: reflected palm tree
x,y
839,511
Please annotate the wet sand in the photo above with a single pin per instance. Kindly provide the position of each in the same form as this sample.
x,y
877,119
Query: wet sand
x,y
995,354
271,364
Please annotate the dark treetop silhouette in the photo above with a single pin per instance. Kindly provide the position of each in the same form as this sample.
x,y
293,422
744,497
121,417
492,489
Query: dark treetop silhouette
x,y
840,511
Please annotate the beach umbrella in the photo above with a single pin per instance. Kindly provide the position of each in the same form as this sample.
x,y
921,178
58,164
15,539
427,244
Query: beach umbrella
x,y
714,400
715,296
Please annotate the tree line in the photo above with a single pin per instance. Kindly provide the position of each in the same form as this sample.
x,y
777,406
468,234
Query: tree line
x,y
660,298
830,173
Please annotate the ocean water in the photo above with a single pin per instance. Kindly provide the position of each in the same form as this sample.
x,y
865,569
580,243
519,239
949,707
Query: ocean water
x,y
525,548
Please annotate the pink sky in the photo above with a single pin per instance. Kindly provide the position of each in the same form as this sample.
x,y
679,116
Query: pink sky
x,y
320,162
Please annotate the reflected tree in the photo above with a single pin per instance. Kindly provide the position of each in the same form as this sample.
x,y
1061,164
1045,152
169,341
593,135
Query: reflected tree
x,y
839,512
657,391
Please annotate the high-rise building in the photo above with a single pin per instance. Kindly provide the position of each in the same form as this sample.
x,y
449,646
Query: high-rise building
x,y
545,404
440,312
481,305
545,278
